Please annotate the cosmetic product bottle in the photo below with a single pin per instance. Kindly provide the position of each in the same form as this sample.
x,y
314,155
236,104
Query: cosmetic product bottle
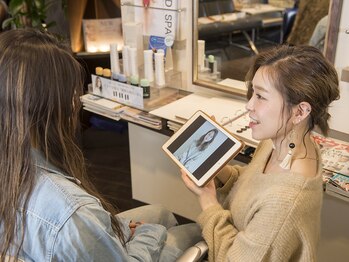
x,y
146,87
201,55
122,78
125,61
134,80
211,62
107,73
99,71
133,61
148,65
168,60
159,70
114,60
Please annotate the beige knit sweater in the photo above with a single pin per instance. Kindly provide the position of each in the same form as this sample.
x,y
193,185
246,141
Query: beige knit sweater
x,y
264,217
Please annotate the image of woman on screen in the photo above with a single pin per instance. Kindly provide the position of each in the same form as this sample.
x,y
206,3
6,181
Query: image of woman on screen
x,y
270,209
195,149
98,86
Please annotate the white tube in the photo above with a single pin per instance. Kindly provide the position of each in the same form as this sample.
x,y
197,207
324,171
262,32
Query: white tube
x,y
133,61
125,61
159,70
114,60
201,54
168,60
148,65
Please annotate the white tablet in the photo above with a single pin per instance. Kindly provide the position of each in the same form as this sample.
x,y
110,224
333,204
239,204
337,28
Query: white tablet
x,y
202,147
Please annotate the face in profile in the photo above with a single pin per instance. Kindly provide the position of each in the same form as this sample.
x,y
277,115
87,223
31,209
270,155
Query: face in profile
x,y
266,107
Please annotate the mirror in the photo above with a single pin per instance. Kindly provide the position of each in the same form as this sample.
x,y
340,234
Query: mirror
x,y
227,35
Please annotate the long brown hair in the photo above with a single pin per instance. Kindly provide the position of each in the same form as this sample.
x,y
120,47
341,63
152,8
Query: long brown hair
x,y
40,86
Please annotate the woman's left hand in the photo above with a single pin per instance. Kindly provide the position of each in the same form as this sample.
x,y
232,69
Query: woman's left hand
x,y
207,194
133,225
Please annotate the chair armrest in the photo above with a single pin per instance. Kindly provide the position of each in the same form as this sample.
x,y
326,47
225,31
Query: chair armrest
x,y
194,253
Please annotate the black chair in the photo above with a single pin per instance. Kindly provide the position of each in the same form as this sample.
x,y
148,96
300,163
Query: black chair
x,y
289,18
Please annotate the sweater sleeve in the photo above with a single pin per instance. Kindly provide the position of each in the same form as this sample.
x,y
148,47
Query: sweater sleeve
x,y
267,221
227,177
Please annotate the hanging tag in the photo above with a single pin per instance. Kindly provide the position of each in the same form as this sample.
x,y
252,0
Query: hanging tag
x,y
146,3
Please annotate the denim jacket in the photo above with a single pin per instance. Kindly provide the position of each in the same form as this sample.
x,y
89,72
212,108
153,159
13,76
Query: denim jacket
x,y
64,223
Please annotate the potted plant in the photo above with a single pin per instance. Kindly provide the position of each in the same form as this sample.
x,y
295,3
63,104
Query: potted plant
x,y
29,13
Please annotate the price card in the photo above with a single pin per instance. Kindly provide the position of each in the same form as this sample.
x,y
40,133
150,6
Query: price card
x,y
120,92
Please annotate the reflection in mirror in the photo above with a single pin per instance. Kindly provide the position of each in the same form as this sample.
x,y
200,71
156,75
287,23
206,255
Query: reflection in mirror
x,y
228,34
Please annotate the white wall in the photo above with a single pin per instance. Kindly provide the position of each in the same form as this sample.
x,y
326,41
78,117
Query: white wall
x,y
340,108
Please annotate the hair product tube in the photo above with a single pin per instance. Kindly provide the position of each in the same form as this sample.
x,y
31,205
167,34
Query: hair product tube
x,y
201,54
159,70
148,65
125,61
114,60
133,61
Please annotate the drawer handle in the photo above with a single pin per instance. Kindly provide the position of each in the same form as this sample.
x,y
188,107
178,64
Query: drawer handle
x,y
347,31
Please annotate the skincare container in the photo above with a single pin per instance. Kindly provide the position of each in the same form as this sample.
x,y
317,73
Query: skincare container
x,y
146,87
211,62
106,73
148,65
114,61
99,71
159,70
122,78
201,54
134,80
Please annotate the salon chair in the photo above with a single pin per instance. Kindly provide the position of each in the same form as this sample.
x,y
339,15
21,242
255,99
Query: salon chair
x,y
289,18
198,252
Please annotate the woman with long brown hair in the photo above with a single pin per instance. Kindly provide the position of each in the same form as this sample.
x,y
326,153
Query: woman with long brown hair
x,y
49,211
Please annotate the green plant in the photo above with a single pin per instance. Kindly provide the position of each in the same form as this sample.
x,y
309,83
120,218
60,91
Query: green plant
x,y
29,13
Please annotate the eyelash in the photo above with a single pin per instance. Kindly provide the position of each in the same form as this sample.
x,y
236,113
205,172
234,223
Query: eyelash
x,y
257,95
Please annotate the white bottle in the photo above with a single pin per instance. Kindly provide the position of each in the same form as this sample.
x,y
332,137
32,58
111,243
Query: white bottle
x,y
159,70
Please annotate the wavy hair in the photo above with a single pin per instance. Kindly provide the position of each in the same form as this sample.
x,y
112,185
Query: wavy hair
x,y
40,86
300,73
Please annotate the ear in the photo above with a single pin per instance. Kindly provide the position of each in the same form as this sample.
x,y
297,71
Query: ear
x,y
301,111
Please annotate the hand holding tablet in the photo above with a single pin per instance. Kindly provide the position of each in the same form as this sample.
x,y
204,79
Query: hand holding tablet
x,y
202,147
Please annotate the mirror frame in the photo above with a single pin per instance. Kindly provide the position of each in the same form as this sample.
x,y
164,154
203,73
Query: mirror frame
x,y
334,12
335,9
196,81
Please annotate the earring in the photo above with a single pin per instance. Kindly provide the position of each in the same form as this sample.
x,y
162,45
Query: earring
x,y
286,162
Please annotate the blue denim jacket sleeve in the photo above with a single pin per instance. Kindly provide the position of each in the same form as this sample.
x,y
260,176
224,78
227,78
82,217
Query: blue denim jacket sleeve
x,y
65,223
88,235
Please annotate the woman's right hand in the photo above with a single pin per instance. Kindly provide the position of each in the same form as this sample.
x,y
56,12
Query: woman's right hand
x,y
206,194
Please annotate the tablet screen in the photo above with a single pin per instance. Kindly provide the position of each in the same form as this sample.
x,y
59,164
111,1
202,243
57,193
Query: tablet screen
x,y
202,146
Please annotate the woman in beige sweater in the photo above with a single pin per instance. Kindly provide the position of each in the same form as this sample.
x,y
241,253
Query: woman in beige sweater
x,y
270,209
